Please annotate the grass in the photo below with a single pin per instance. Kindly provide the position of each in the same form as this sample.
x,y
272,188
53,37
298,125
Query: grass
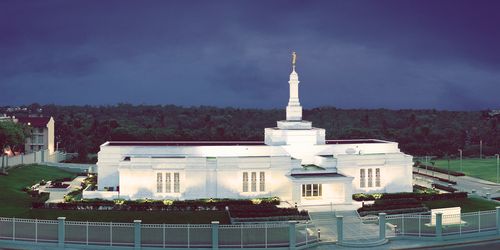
x,y
485,168
16,203
467,205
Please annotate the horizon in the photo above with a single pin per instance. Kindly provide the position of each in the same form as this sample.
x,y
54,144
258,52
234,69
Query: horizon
x,y
390,55
232,107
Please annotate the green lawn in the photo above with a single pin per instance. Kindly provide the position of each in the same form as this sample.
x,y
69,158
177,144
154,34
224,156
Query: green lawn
x,y
16,203
480,168
467,205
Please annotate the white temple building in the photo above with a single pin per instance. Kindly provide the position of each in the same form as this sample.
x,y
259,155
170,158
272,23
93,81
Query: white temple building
x,y
295,162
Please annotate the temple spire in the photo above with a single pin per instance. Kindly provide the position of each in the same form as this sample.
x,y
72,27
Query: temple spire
x,y
294,110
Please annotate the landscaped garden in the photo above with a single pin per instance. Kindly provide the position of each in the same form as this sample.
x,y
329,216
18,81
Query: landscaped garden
x,y
21,200
17,203
422,200
485,168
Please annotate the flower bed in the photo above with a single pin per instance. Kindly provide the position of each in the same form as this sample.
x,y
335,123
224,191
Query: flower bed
x,y
418,196
58,185
159,205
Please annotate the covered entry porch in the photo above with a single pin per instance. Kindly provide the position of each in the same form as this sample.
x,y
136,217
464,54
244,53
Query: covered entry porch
x,y
321,189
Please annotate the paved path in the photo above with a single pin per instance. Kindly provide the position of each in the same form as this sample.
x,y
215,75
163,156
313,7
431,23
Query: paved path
x,y
467,183
484,242
324,218
58,195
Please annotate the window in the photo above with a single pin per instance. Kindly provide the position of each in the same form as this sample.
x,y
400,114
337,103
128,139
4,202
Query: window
x,y
176,183
377,177
254,182
262,181
159,183
250,184
168,183
370,177
312,190
245,181
362,181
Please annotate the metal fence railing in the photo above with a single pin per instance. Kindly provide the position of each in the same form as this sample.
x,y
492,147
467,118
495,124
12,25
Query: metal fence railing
x,y
255,235
453,224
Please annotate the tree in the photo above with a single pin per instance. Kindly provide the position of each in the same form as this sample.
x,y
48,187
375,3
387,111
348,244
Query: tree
x,y
12,134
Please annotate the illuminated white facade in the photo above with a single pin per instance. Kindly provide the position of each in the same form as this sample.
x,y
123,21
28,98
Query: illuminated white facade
x,y
294,162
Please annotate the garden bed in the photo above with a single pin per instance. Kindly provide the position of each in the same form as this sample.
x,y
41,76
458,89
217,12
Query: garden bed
x,y
444,188
57,185
159,205
265,212
418,196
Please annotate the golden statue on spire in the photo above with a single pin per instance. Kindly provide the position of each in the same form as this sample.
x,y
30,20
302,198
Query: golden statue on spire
x,y
294,58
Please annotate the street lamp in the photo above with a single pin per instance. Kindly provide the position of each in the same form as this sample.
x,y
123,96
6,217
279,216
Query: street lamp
x,y
448,158
480,149
460,150
498,165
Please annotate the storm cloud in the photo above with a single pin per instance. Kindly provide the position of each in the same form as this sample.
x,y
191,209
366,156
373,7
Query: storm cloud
x,y
352,54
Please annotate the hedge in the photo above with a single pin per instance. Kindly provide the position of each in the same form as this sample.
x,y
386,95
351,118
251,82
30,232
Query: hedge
x,y
418,196
390,204
265,210
395,211
160,205
437,178
436,169
38,200
445,188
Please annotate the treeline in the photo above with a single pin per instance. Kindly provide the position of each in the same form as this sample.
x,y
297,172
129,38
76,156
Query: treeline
x,y
419,132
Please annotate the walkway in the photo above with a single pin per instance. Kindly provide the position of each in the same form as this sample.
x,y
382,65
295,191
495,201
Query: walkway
x,y
58,195
324,218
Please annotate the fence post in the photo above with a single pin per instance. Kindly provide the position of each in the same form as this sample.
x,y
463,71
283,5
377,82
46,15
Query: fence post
x,y
381,225
22,158
215,235
292,236
498,219
14,229
137,234
439,225
340,229
60,231
42,155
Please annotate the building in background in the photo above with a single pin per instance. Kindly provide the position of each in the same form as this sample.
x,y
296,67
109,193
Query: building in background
x,y
42,133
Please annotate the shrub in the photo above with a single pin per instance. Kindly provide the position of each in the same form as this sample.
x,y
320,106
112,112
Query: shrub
x,y
39,200
445,188
418,196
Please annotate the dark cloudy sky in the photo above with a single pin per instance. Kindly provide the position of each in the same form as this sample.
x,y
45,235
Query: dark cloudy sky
x,y
351,54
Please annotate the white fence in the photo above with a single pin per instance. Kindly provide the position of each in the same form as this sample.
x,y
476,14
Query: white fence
x,y
31,158
61,232
422,226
